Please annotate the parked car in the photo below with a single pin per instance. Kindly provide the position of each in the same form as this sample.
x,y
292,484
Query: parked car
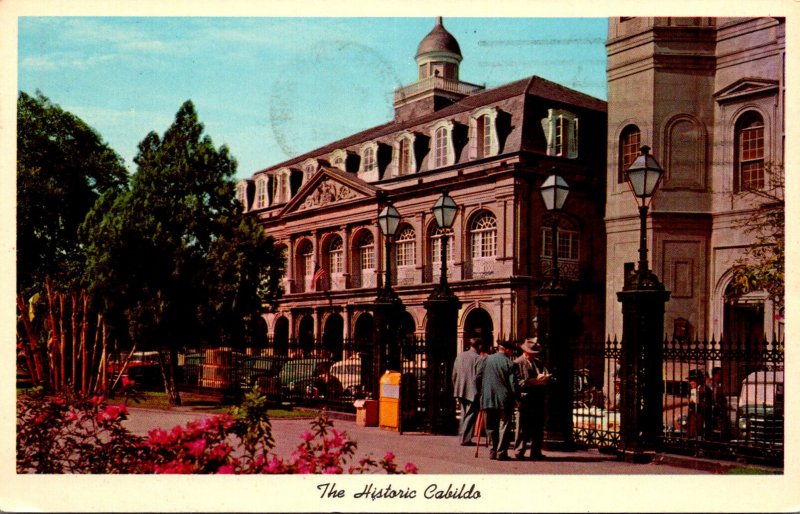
x,y
262,371
348,373
759,413
143,368
297,377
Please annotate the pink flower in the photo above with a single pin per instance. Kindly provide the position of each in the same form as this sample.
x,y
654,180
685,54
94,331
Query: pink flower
x,y
411,469
196,448
389,456
307,436
127,382
227,469
97,400
72,416
333,470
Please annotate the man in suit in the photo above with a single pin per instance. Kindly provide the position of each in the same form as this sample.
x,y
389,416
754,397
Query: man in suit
x,y
465,390
532,377
495,377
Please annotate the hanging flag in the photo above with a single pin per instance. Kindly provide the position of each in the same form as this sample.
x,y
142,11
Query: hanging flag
x,y
319,275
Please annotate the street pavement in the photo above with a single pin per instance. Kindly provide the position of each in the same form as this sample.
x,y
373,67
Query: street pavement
x,y
432,454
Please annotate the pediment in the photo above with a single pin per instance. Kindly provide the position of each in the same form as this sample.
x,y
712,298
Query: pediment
x,y
746,87
327,188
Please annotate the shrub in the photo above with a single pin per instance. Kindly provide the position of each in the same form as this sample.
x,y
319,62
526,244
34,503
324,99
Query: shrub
x,y
63,434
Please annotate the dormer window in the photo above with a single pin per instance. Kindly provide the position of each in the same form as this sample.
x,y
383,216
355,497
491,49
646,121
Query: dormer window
x,y
339,159
309,167
241,194
369,162
561,131
280,187
404,161
262,189
483,140
443,152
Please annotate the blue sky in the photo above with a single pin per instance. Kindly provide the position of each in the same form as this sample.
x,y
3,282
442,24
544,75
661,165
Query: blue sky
x,y
272,88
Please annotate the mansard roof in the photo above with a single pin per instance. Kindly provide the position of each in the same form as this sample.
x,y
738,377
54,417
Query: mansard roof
x,y
510,98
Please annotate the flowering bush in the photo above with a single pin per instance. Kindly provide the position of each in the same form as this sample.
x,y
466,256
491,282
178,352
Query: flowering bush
x,y
64,435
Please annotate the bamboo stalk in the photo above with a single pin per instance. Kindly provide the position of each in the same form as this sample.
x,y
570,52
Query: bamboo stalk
x,y
52,343
30,344
74,316
124,367
62,343
84,349
95,351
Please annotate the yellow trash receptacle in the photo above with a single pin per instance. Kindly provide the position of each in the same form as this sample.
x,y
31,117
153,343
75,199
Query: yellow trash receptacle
x,y
366,413
389,408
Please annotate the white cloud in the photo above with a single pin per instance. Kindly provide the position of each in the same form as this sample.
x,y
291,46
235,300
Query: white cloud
x,y
38,63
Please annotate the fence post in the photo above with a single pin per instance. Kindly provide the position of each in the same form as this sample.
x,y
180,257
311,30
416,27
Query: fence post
x,y
641,369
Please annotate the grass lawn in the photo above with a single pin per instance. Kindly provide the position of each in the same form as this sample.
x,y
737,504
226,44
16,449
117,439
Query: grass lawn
x,y
200,403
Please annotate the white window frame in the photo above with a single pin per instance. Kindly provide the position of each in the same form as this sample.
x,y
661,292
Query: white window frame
x,y
281,192
437,235
406,247
477,140
368,169
442,150
409,139
569,244
483,239
241,194
555,123
262,192
366,249
336,256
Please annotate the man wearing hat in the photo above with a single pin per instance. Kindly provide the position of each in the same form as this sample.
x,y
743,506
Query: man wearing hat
x,y
532,377
496,382
465,390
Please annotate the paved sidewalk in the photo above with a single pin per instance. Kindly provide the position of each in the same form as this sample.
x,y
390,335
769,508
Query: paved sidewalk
x,y
432,454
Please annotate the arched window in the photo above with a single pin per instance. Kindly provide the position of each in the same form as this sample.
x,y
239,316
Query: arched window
x,y
440,147
406,254
366,247
369,163
261,193
483,235
336,256
436,245
749,152
404,157
307,258
484,133
629,145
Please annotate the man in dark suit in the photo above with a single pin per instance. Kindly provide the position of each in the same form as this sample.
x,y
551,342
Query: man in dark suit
x,y
465,390
532,377
498,388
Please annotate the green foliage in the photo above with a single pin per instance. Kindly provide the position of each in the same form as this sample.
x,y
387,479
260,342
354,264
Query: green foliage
x,y
252,425
762,266
63,167
173,258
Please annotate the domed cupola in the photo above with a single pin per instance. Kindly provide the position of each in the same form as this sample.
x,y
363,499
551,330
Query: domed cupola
x,y
438,54
438,85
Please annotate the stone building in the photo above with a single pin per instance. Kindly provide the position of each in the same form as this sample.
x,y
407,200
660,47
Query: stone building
x,y
707,95
491,149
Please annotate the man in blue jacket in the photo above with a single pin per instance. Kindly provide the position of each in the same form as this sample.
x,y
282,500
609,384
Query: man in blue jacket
x,y
496,382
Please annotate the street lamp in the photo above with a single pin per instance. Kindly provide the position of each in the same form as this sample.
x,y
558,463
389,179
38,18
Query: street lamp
x,y
644,174
643,298
444,210
388,221
554,312
554,192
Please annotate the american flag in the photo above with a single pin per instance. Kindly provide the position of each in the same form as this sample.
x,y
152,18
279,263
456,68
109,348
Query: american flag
x,y
319,275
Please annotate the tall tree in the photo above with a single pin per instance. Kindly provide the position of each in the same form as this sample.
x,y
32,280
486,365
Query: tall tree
x,y
63,166
762,265
173,258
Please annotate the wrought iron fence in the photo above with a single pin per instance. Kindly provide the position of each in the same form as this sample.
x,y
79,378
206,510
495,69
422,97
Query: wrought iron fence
x,y
720,398
319,378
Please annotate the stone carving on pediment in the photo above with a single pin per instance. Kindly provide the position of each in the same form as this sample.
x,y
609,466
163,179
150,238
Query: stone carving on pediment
x,y
326,193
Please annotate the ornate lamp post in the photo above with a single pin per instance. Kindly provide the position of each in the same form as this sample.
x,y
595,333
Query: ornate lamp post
x,y
388,221
441,332
554,193
643,298
554,307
